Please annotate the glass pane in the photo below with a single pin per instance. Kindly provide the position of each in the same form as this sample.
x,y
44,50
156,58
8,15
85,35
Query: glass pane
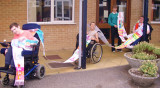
x,y
67,11
156,10
63,10
122,7
39,10
104,10
59,9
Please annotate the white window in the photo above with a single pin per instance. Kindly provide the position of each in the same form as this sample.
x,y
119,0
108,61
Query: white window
x,y
155,11
51,11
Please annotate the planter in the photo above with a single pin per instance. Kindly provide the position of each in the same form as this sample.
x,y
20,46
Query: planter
x,y
140,80
135,63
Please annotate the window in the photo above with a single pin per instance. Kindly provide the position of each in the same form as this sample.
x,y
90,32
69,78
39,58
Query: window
x,y
156,11
51,11
104,10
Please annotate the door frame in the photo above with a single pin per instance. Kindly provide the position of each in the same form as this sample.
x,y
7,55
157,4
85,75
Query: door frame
x,y
106,25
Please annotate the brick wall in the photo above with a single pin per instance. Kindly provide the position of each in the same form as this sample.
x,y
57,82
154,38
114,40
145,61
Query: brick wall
x,y
56,36
60,36
137,11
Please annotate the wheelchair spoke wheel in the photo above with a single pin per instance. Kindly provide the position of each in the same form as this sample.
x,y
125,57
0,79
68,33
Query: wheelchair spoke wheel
x,y
96,53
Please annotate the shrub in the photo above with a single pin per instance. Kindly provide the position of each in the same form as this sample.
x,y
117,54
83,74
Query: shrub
x,y
144,56
149,68
156,51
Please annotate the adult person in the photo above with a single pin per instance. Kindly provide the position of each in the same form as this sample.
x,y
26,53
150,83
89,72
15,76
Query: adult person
x,y
112,20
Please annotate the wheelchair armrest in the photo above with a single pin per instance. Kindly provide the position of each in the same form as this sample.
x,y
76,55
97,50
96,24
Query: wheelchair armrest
x,y
5,44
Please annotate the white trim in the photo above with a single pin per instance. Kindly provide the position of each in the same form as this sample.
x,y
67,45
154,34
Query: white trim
x,y
52,15
155,22
50,23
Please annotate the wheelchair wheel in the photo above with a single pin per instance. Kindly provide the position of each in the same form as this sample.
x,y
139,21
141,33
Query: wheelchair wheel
x,y
5,80
96,53
40,71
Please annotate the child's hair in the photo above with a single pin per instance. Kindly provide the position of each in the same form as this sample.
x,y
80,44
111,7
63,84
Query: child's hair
x,y
91,23
114,6
13,24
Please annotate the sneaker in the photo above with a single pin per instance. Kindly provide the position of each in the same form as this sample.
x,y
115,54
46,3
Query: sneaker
x,y
113,51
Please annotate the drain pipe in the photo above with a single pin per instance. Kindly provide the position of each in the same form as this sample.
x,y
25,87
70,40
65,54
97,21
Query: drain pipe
x,y
80,33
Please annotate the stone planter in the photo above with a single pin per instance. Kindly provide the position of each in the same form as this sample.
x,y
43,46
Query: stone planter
x,y
140,80
135,63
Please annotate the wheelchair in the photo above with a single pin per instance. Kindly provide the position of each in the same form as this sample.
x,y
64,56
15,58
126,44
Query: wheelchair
x,y
32,69
94,51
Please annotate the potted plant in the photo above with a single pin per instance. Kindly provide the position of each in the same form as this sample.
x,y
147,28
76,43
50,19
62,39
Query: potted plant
x,y
142,52
146,74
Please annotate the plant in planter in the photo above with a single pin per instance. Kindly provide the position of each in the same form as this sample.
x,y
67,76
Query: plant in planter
x,y
157,52
144,56
142,52
146,74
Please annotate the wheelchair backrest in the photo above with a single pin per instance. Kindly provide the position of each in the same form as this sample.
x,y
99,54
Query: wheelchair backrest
x,y
30,26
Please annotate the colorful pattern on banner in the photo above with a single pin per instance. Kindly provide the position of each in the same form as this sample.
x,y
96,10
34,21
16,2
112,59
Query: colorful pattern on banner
x,y
133,37
75,56
41,37
19,64
120,23
17,48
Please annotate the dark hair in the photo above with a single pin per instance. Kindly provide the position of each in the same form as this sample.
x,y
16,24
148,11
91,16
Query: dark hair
x,y
13,24
142,16
91,23
114,6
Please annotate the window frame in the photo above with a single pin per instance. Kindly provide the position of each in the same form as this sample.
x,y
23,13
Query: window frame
x,y
52,15
152,21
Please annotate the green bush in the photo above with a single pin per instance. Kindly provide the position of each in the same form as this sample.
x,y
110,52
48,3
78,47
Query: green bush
x,y
140,47
156,51
149,68
143,47
144,56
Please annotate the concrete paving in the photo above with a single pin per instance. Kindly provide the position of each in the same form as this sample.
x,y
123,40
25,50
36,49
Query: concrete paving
x,y
109,59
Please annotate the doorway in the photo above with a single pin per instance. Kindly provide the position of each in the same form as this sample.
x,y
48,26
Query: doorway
x,y
104,8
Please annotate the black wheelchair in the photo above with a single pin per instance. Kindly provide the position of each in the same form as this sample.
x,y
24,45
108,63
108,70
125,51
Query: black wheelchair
x,y
32,68
94,51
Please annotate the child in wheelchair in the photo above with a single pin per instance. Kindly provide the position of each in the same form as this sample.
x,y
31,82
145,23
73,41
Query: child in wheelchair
x,y
29,52
94,38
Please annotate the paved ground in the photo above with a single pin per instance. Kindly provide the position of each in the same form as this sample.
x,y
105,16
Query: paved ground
x,y
108,60
115,77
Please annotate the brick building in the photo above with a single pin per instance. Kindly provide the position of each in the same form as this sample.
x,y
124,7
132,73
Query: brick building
x,y
59,19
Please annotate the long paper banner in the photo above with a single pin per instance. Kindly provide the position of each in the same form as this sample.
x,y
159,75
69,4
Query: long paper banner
x,y
17,48
133,37
102,37
120,23
19,64
75,56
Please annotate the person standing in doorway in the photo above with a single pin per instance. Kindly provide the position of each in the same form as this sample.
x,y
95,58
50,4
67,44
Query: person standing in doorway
x,y
112,20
